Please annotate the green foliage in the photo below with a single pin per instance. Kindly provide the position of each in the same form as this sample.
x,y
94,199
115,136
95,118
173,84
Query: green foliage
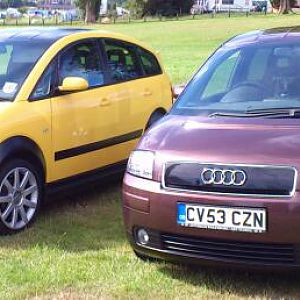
x,y
80,4
136,7
22,10
180,6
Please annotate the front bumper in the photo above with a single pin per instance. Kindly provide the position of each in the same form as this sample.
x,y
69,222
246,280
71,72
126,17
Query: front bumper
x,y
147,205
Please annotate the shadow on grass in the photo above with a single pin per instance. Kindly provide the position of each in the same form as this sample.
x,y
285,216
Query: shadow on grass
x,y
79,220
241,283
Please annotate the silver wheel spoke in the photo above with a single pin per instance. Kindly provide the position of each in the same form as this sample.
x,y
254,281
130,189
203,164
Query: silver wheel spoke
x,y
8,211
5,199
14,217
17,179
29,203
8,185
23,215
30,190
24,180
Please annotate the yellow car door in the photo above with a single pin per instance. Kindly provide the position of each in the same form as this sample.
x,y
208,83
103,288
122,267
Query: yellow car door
x,y
138,71
83,122
125,71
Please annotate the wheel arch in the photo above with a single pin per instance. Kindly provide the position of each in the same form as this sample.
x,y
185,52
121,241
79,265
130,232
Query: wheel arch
x,y
24,148
155,116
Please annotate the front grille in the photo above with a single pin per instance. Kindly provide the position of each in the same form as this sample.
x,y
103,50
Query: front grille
x,y
242,252
248,180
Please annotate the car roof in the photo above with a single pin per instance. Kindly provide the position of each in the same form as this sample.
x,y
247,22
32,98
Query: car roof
x,y
273,35
50,34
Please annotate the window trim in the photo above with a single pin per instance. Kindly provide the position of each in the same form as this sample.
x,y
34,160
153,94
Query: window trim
x,y
93,41
29,72
141,62
136,47
99,43
55,91
136,57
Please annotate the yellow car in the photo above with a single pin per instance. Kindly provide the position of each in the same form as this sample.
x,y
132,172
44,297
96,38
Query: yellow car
x,y
73,104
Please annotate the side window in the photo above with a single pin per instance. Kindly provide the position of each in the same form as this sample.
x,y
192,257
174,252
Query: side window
x,y
149,62
122,61
222,76
81,60
5,57
46,83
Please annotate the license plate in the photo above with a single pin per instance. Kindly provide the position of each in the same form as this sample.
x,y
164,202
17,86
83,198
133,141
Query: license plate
x,y
222,218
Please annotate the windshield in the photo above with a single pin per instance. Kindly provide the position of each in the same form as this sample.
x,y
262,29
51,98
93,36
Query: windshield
x,y
254,77
16,61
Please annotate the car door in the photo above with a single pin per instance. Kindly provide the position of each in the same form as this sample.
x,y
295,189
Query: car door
x,y
125,61
124,70
82,122
155,85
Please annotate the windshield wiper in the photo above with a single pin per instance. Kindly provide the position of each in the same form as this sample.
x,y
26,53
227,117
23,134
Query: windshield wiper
x,y
291,111
256,113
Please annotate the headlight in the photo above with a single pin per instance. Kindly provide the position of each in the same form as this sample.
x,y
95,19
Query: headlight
x,y
140,164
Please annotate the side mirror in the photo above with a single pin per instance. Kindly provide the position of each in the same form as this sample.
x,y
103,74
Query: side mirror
x,y
73,84
177,90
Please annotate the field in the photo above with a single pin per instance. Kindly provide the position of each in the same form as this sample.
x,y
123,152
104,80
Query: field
x,y
78,249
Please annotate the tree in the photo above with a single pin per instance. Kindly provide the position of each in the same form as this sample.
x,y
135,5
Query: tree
x,y
283,6
160,6
90,8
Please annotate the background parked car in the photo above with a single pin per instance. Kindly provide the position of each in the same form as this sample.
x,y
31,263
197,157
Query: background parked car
x,y
13,13
259,6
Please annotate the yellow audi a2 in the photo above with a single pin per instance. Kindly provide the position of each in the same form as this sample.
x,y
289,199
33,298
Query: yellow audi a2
x,y
73,104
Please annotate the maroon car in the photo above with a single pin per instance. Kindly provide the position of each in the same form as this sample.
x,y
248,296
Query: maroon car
x,y
215,181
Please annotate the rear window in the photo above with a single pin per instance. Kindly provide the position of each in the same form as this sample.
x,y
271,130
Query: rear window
x,y
149,62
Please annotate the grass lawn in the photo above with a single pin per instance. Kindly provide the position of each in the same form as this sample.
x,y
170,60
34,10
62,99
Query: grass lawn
x,y
78,249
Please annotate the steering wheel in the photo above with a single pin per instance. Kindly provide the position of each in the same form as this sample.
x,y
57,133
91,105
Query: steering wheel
x,y
250,84
245,91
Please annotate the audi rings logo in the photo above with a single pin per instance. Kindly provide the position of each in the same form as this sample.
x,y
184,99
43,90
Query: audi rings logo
x,y
223,177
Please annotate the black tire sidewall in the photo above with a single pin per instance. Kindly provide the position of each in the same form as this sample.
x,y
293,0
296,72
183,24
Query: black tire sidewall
x,y
19,163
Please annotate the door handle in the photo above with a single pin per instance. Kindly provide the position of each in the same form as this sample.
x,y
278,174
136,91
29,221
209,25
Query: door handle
x,y
147,93
105,102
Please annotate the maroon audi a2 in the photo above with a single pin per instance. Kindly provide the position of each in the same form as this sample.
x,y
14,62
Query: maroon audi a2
x,y
215,181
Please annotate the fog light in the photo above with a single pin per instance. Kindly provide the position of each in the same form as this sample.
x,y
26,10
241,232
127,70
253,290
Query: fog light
x,y
143,236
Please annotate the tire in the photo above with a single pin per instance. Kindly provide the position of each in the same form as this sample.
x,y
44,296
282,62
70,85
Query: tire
x,y
21,194
156,116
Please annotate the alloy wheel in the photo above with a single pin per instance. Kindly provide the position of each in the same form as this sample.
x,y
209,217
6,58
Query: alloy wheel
x,y
19,195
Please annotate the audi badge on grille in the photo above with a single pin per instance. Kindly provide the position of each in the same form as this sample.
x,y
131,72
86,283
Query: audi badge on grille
x,y
223,177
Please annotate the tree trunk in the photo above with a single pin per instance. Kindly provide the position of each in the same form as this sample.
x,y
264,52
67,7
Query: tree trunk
x,y
284,7
90,14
